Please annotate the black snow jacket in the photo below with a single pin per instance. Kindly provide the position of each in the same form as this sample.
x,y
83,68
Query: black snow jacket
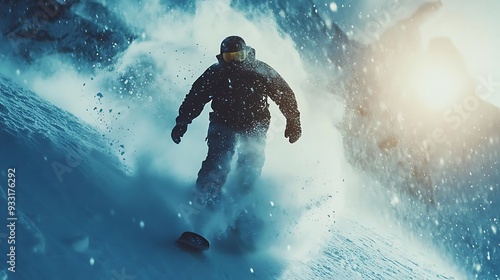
x,y
239,92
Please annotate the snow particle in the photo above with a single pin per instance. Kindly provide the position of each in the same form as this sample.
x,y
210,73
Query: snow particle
x,y
394,200
272,203
92,261
333,7
141,224
251,270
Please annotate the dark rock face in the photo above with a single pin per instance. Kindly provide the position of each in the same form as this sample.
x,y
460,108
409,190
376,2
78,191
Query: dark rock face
x,y
85,31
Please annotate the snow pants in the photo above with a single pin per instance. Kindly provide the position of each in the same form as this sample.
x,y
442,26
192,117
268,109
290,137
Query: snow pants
x,y
222,143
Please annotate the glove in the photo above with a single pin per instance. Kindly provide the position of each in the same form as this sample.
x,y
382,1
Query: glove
x,y
178,131
293,130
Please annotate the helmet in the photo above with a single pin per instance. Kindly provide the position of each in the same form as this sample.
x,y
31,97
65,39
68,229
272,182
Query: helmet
x,y
232,44
233,48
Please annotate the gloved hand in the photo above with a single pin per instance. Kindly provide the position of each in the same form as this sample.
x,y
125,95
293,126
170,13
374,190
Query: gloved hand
x,y
293,130
178,131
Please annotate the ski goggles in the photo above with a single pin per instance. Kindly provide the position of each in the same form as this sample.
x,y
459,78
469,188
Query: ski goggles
x,y
238,56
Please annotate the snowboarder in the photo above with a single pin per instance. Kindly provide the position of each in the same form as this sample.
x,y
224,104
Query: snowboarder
x,y
238,86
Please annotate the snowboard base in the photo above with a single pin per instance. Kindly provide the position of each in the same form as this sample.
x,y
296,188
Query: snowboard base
x,y
193,241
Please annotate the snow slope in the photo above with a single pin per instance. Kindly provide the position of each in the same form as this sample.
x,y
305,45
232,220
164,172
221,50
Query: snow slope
x,y
85,223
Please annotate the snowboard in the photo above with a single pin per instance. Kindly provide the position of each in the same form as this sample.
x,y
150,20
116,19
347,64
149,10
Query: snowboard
x,y
193,242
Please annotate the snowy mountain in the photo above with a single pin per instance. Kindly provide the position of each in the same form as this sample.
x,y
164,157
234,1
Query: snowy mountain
x,y
86,31
382,185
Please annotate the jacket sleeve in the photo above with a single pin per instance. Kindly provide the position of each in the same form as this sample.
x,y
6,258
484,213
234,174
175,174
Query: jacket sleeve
x,y
280,92
199,95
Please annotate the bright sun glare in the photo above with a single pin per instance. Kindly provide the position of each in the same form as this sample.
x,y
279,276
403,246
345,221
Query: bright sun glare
x,y
436,85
